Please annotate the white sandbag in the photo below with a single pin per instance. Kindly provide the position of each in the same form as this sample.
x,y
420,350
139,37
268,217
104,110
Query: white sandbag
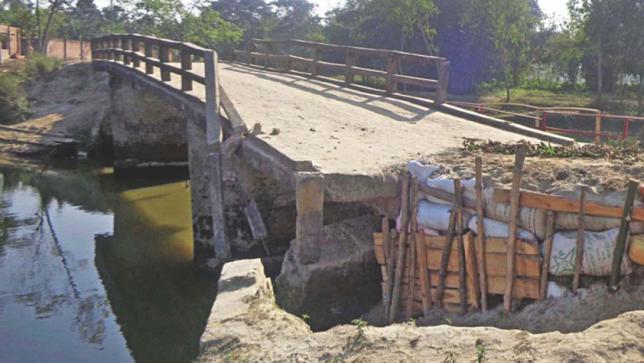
x,y
531,219
424,230
436,216
446,184
421,171
496,229
597,258
555,290
569,221
429,232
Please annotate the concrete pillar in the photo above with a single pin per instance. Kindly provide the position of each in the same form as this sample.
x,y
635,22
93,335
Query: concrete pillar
x,y
309,195
210,247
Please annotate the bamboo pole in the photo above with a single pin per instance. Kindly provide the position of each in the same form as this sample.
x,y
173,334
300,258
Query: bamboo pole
x,y
442,273
620,246
480,236
412,248
547,254
402,244
579,249
514,212
458,193
389,252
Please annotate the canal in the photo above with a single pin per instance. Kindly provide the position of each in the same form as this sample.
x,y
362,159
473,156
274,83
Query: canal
x,y
95,268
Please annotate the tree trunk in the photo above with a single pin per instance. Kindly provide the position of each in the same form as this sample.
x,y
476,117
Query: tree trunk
x,y
507,92
43,40
600,73
38,24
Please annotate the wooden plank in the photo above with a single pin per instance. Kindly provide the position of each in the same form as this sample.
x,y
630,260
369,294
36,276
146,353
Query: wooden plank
x,y
547,254
412,244
387,262
524,287
492,245
400,263
620,244
255,221
579,245
458,191
496,264
472,271
445,257
517,173
424,275
480,243
561,204
416,81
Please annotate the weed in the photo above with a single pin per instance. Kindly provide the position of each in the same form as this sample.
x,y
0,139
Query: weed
x,y
450,357
306,318
481,350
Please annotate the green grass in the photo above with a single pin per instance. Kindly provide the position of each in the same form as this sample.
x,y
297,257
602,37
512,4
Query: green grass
x,y
14,106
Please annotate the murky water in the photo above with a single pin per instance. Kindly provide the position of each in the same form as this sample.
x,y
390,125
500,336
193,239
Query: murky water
x,y
95,269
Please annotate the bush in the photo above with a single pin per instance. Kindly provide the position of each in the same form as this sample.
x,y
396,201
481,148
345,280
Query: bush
x,y
13,101
39,64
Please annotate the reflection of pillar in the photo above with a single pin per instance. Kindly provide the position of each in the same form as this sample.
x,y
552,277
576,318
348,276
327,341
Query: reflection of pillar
x,y
309,194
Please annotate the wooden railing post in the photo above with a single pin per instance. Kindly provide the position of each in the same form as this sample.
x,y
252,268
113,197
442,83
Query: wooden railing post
x,y
65,48
135,48
287,51
443,82
627,123
164,57
186,65
126,43
214,161
392,67
269,51
598,128
315,69
110,44
350,62
149,67
116,44
82,56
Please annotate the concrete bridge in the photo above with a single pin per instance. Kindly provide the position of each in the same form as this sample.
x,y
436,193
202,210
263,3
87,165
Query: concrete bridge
x,y
323,136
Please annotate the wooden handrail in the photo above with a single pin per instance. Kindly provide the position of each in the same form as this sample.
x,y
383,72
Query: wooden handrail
x,y
266,50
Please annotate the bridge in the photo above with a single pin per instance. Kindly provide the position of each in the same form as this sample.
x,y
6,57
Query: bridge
x,y
312,126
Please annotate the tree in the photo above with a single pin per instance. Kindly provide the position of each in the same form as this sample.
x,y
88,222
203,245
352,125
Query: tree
x,y
412,16
255,17
510,25
210,30
294,19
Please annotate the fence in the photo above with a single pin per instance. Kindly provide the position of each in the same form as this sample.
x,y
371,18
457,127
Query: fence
x,y
540,116
10,42
276,51
68,49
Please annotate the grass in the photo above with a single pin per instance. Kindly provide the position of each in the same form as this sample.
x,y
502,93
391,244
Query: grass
x,y
14,106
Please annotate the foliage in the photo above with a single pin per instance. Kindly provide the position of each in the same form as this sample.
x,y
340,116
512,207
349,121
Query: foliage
x,y
39,65
210,30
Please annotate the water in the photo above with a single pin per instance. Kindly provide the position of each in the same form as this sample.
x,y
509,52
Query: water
x,y
95,269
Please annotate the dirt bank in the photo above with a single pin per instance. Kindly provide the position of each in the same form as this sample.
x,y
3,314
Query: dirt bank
x,y
246,325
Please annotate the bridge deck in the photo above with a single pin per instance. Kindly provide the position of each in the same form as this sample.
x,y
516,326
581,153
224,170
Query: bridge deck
x,y
342,130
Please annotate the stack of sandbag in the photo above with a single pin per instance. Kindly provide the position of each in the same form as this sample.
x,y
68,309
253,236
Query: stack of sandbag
x,y
597,258
496,229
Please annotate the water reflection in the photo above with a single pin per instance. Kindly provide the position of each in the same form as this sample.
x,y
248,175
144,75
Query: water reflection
x,y
94,269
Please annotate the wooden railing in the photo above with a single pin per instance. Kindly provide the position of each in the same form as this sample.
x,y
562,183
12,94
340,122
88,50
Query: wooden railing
x,y
540,116
132,50
273,52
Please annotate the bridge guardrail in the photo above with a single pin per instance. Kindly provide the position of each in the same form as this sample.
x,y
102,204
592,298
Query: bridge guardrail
x,y
267,50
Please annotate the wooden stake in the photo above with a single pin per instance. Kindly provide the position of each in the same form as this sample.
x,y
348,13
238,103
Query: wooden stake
x,y
402,245
423,273
579,249
458,193
480,236
547,254
442,273
514,213
412,248
389,257
620,246
470,261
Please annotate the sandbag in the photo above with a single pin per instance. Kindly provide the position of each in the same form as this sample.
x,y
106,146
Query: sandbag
x,y
421,171
598,253
436,216
531,219
636,250
446,184
569,221
496,229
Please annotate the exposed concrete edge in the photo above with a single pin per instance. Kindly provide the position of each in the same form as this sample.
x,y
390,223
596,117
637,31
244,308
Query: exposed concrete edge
x,y
446,107
506,125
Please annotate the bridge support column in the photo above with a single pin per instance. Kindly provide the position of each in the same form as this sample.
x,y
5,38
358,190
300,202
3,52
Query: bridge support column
x,y
309,199
208,225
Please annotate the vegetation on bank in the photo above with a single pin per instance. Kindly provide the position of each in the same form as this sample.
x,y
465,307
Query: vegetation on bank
x,y
14,105
506,49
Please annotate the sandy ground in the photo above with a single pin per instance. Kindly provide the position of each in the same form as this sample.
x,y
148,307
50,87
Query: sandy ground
x,y
342,130
245,325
